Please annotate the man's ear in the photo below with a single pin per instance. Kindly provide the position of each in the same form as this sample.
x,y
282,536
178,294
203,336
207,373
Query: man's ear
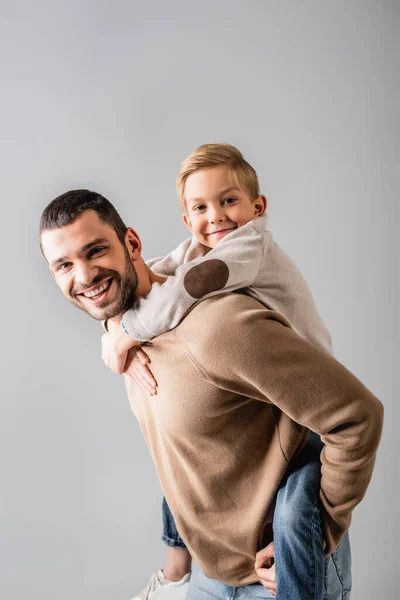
x,y
133,243
260,206
187,222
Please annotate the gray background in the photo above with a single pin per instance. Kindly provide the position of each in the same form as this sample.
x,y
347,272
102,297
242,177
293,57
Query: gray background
x,y
112,95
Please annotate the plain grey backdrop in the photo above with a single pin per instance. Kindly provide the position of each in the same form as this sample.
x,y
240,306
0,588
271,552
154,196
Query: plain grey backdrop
x,y
113,95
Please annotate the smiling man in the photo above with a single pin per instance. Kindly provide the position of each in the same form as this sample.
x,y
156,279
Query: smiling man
x,y
96,276
238,391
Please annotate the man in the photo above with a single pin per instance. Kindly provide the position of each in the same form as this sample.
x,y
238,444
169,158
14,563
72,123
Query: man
x,y
238,391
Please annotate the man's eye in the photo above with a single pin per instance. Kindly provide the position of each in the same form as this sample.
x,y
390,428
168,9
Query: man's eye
x,y
95,250
61,267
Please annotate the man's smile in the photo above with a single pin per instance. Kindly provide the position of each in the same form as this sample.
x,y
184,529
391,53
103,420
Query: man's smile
x,y
98,293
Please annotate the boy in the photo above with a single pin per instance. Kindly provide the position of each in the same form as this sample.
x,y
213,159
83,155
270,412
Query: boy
x,y
231,250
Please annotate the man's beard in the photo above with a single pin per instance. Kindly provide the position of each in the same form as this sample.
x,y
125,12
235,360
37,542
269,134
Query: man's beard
x,y
125,295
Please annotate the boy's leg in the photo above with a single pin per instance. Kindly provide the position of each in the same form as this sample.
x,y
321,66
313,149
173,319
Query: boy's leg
x,y
173,580
299,554
179,561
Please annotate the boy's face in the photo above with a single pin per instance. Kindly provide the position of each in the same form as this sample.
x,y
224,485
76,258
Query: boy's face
x,y
93,269
215,205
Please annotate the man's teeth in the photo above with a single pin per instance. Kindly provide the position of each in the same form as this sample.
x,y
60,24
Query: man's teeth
x,y
97,291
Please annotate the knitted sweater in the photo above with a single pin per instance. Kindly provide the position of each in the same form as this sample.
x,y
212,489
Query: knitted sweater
x,y
246,258
238,389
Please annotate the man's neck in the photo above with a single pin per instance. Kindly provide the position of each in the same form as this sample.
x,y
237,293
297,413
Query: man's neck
x,y
146,278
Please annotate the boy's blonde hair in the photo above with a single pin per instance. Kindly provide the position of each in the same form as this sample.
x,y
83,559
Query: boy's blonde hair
x,y
215,155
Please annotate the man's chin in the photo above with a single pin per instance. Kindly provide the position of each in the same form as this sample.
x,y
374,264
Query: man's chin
x,y
100,313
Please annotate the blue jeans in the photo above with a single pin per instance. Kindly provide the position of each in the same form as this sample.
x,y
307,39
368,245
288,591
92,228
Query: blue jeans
x,y
299,554
301,572
337,582
170,533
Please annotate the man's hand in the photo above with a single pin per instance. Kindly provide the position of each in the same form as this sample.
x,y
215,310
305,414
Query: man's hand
x,y
264,570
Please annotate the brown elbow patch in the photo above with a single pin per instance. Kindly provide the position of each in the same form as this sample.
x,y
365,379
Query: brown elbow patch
x,y
209,276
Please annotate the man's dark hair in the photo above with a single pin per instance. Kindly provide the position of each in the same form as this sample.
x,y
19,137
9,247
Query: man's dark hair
x,y
65,209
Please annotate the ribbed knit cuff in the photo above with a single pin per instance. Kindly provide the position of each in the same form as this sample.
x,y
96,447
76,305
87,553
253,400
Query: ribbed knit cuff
x,y
133,327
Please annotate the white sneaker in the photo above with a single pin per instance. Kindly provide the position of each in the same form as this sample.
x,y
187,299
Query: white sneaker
x,y
160,588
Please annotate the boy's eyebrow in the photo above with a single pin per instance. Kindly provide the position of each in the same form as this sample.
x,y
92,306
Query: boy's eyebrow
x,y
84,249
229,189
221,193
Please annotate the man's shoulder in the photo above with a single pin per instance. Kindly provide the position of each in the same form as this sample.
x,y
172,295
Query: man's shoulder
x,y
227,316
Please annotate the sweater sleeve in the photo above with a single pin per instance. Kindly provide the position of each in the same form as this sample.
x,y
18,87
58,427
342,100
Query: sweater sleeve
x,y
258,356
167,265
233,264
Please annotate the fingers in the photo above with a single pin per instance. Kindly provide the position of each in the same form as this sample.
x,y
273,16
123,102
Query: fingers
x,y
135,379
265,555
143,376
119,363
142,356
267,578
135,365
265,568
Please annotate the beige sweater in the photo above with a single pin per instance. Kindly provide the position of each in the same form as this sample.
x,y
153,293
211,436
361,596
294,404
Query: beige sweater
x,y
247,258
234,382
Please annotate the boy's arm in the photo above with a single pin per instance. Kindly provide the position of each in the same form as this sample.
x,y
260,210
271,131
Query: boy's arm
x,y
233,264
186,251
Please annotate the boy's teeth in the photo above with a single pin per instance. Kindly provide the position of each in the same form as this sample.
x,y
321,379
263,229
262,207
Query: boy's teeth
x,y
97,291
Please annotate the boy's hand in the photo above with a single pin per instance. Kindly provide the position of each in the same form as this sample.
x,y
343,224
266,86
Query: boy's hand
x,y
266,572
115,345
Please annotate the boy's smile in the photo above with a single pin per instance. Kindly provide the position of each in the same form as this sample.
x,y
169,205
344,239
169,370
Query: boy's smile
x,y
216,205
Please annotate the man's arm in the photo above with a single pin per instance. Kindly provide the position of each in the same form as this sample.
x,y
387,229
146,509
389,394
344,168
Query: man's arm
x,y
233,264
253,353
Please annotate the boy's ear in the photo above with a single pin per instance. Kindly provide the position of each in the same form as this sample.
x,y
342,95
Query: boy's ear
x,y
260,206
187,222
133,243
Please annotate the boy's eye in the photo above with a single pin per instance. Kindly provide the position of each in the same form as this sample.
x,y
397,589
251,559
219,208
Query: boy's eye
x,y
230,200
199,207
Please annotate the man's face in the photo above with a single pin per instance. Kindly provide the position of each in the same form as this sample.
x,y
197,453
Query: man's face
x,y
93,269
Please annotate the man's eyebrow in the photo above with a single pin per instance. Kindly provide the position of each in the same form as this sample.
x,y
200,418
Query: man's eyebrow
x,y
84,249
87,247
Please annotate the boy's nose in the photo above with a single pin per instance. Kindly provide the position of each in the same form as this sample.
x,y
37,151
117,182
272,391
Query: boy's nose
x,y
216,216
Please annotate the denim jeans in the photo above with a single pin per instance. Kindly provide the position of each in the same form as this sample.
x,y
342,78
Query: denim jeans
x,y
170,533
337,581
299,554
301,572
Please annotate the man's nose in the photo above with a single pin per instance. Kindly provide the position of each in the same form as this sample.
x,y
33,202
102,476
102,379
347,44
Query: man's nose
x,y
85,273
